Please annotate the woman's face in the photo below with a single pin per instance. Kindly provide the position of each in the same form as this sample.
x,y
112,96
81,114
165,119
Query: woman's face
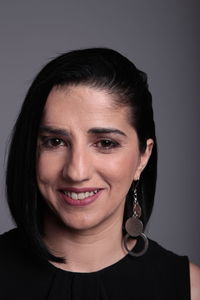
x,y
88,156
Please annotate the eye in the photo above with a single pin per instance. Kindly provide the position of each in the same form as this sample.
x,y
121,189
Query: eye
x,y
106,144
52,142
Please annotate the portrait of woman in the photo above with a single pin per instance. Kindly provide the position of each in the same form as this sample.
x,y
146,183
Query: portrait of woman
x,y
80,181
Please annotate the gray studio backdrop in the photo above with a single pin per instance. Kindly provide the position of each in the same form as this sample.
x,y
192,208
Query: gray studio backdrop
x,y
160,37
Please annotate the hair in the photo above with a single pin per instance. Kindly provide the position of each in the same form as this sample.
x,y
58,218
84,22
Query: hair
x,y
97,67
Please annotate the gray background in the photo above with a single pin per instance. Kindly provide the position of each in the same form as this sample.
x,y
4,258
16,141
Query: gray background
x,y
160,37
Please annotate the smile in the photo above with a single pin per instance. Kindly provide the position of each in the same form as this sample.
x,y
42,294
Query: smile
x,y
80,196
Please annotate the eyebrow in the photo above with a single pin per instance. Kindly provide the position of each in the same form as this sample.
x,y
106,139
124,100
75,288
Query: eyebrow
x,y
51,130
95,130
100,130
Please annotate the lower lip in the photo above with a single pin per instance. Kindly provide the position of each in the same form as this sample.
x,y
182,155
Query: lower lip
x,y
80,202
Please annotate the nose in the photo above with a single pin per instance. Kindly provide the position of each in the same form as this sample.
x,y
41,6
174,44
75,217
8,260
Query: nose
x,y
78,165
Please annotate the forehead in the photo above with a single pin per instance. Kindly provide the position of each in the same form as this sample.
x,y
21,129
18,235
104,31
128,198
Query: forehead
x,y
85,101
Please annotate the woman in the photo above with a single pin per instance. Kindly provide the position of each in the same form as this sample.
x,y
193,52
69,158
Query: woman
x,y
81,180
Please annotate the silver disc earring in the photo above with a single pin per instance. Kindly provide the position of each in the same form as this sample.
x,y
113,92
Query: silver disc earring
x,y
134,227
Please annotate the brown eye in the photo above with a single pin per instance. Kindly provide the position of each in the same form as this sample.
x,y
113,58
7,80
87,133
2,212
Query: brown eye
x,y
107,144
52,142
55,142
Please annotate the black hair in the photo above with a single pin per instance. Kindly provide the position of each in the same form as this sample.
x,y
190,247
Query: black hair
x,y
97,67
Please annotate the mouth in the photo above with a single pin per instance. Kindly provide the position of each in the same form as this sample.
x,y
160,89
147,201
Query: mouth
x,y
80,197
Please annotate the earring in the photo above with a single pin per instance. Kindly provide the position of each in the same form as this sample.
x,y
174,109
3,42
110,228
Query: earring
x,y
134,226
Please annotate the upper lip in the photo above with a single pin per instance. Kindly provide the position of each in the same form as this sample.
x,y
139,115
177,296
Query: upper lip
x,y
80,190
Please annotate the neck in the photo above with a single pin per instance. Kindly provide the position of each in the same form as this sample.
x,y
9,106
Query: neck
x,y
88,250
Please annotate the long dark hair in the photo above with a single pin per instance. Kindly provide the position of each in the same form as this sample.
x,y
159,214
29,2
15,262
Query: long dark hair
x,y
96,67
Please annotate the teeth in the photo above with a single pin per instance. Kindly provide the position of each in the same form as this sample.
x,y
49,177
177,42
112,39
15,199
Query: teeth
x,y
80,196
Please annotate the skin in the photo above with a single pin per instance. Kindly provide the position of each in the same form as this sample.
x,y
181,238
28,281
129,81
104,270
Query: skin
x,y
195,281
80,157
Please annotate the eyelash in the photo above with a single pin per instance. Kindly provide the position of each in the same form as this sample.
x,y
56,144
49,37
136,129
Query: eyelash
x,y
112,144
109,144
47,142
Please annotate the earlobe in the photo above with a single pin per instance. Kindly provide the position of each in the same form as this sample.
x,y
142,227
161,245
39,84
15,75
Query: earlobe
x,y
144,158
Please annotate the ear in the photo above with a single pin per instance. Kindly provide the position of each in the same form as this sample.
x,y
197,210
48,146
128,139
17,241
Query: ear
x,y
144,158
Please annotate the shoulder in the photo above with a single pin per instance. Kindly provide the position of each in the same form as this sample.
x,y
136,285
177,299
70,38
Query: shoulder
x,y
12,241
170,268
20,268
16,252
167,256
195,281
11,248
8,239
9,234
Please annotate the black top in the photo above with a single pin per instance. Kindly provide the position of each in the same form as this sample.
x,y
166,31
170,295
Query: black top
x,y
158,275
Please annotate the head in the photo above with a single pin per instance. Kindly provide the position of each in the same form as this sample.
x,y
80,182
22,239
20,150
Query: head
x,y
100,69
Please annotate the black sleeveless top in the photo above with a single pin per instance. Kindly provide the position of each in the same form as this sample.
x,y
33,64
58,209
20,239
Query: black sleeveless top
x,y
157,275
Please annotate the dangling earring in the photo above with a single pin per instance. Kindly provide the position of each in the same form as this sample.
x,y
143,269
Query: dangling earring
x,y
134,226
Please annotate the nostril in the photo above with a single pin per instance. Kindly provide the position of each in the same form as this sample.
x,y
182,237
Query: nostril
x,y
78,166
76,173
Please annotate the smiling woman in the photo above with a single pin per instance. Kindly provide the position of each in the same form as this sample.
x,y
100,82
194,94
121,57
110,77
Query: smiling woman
x,y
81,179
88,145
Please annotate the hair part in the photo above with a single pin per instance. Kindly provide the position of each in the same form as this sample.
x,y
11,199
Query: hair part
x,y
100,68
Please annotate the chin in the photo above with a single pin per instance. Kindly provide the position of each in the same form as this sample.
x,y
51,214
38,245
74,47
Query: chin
x,y
74,223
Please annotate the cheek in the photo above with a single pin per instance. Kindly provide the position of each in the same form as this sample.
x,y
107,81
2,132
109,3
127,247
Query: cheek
x,y
120,170
48,168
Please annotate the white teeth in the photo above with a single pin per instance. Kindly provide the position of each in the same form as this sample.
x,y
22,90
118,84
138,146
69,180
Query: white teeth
x,y
74,196
80,196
